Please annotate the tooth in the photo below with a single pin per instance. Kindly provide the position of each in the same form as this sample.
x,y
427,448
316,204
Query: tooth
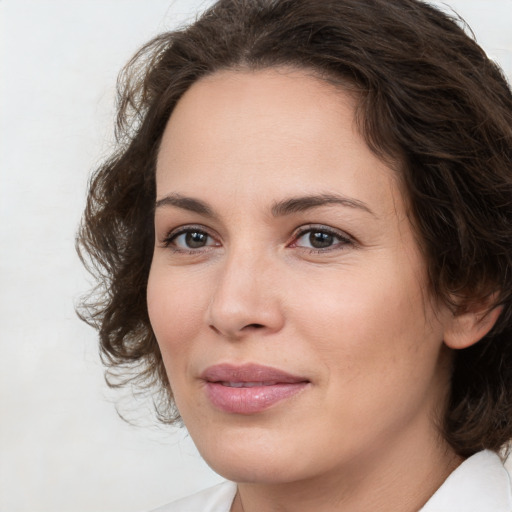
x,y
248,384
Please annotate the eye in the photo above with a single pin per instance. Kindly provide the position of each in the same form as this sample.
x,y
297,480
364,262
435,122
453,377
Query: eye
x,y
320,238
189,239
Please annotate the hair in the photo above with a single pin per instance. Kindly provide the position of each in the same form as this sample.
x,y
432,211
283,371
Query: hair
x,y
428,97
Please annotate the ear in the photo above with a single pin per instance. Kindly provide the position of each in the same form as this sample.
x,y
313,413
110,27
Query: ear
x,y
469,327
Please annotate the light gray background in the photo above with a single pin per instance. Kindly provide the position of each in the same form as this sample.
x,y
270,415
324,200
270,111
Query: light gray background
x,y
62,446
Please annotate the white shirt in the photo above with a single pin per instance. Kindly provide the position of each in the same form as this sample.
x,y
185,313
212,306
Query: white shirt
x,y
479,484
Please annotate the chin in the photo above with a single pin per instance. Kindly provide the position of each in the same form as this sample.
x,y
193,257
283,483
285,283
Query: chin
x,y
242,458
255,468
258,455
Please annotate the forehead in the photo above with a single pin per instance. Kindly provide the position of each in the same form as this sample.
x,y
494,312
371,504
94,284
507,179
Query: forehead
x,y
262,133
287,104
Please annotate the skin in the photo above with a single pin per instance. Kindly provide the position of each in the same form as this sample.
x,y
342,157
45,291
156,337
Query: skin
x,y
354,317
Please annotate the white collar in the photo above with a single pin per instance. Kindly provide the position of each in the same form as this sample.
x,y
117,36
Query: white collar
x,y
479,484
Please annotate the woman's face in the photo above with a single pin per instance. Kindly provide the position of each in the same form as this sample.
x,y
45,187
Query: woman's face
x,y
287,291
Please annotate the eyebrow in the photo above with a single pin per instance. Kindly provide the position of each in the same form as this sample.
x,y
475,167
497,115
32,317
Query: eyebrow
x,y
186,203
304,203
279,209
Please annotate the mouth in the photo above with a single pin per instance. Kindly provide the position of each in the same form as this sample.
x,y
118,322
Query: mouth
x,y
248,384
250,388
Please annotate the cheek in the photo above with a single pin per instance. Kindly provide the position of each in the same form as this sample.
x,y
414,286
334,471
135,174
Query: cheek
x,y
174,311
378,351
369,320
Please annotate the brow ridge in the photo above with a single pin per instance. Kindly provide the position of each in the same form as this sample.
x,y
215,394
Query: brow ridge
x,y
278,209
303,203
185,203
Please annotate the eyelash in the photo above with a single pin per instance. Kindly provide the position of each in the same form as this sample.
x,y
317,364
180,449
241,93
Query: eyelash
x,y
342,239
169,240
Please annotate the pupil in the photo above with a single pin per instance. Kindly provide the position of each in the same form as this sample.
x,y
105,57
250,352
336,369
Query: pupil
x,y
195,240
320,240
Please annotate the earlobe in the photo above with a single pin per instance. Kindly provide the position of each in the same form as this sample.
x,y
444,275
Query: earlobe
x,y
468,328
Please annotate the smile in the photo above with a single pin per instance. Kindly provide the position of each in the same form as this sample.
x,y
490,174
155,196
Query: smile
x,y
248,384
249,389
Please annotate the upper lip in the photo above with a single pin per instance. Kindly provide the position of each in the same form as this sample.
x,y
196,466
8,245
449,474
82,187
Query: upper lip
x,y
249,373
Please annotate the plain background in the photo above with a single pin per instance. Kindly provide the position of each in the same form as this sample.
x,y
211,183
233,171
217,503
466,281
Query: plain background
x,y
62,446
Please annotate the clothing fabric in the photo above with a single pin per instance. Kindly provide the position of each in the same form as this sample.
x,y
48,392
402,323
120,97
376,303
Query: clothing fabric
x,y
214,499
479,484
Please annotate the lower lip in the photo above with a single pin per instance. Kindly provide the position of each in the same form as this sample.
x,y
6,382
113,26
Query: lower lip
x,y
250,400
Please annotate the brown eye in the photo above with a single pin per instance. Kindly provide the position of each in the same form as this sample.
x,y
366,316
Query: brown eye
x,y
195,239
191,239
320,240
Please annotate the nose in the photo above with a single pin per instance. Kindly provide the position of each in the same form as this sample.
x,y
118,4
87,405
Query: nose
x,y
246,298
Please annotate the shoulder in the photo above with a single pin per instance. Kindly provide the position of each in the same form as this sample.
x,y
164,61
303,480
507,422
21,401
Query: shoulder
x,y
480,483
214,499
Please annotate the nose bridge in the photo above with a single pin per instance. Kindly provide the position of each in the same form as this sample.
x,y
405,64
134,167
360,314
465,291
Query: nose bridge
x,y
245,294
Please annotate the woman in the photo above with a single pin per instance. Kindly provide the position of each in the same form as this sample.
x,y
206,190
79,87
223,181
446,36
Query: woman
x,y
304,242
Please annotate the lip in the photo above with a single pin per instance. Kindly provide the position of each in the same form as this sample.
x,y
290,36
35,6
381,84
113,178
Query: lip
x,y
249,388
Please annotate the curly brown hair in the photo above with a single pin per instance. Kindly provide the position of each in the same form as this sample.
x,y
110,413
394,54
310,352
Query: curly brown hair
x,y
429,97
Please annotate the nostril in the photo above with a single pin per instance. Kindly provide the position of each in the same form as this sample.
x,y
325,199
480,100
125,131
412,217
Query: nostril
x,y
237,332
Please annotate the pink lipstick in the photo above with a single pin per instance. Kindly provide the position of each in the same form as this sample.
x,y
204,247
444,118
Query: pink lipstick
x,y
250,388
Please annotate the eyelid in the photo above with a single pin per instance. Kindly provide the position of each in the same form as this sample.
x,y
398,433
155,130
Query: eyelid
x,y
343,237
186,228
